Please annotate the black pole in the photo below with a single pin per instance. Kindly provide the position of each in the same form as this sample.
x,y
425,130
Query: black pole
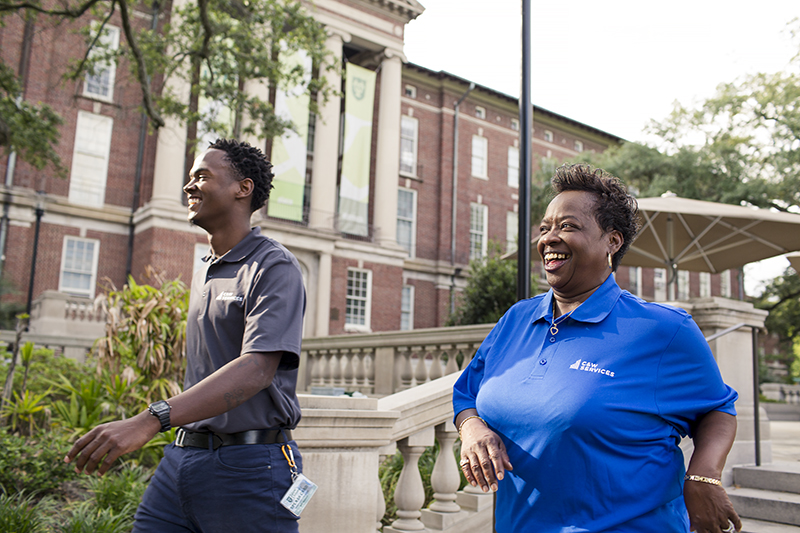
x,y
39,214
525,167
756,399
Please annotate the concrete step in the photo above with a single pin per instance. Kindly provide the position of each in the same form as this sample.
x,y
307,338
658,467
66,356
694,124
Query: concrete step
x,y
778,476
757,526
768,505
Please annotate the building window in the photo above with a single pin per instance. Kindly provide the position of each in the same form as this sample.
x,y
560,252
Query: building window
x,y
683,284
515,124
407,308
548,136
705,285
512,229
79,266
101,83
480,112
359,295
660,284
409,129
579,146
480,152
410,91
407,219
513,166
87,179
725,284
635,283
478,222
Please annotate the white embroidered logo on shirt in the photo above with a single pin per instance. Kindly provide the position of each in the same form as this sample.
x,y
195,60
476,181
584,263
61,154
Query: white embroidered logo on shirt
x,y
226,296
586,366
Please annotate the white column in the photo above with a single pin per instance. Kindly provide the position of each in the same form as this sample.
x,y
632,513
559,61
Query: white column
x,y
323,296
387,165
326,146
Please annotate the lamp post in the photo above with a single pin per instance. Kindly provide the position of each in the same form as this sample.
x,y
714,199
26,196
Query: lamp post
x,y
39,213
525,130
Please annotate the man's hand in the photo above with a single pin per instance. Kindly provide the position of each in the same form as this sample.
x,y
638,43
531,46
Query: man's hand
x,y
710,510
484,459
103,444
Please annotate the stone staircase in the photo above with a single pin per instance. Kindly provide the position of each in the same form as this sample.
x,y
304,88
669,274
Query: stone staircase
x,y
767,497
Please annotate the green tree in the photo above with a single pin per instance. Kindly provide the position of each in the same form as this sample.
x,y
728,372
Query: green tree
x,y
491,289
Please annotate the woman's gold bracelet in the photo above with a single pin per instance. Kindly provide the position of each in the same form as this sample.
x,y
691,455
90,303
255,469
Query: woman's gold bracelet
x,y
461,425
703,479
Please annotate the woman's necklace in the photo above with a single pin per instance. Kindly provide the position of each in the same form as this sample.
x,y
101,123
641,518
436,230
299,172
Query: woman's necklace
x,y
554,324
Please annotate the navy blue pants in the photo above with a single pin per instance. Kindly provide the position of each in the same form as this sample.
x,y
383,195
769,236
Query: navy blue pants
x,y
232,488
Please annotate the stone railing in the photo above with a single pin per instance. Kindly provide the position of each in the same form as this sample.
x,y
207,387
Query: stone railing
x,y
378,364
344,440
782,392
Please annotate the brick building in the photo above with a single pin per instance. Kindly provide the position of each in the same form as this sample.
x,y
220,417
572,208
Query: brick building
x,y
121,206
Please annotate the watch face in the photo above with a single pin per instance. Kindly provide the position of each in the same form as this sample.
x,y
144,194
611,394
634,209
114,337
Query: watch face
x,y
160,407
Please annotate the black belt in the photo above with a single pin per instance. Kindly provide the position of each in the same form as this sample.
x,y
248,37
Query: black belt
x,y
195,439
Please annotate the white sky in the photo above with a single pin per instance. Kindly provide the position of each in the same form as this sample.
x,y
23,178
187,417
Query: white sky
x,y
612,65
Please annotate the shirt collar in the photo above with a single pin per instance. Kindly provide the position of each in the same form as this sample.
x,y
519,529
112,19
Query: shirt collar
x,y
241,250
593,310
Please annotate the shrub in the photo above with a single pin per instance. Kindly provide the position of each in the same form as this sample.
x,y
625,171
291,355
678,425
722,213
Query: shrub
x,y
33,465
18,513
85,517
119,490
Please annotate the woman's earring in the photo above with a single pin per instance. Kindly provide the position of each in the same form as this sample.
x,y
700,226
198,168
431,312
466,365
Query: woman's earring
x,y
610,264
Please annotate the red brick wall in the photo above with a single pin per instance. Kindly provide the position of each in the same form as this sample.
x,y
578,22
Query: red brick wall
x,y
166,251
387,284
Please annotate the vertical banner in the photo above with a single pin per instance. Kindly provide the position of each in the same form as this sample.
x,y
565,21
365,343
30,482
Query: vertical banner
x,y
354,188
289,151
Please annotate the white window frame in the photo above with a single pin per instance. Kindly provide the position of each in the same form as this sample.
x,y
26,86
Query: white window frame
x,y
409,91
513,167
725,284
90,292
660,284
480,157
480,112
478,211
412,142
684,285
515,124
109,38
512,231
90,155
412,250
408,313
578,145
548,136
366,326
705,285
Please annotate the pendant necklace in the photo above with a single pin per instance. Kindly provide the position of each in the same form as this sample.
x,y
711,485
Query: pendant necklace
x,y
554,324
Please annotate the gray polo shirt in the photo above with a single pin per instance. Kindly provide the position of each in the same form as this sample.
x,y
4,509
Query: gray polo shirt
x,y
250,300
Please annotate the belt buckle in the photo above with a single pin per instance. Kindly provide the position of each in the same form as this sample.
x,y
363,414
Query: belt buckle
x,y
180,437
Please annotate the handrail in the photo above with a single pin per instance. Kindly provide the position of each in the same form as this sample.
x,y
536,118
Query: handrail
x,y
756,389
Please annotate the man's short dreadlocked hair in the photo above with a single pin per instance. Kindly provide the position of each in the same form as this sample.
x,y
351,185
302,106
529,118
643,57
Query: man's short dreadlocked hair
x,y
615,209
248,162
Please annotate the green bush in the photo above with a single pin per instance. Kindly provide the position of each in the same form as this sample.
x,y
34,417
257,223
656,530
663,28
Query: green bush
x,y
85,517
33,465
120,489
18,514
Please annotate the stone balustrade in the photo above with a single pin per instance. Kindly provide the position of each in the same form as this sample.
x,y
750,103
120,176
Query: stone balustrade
x,y
782,392
378,364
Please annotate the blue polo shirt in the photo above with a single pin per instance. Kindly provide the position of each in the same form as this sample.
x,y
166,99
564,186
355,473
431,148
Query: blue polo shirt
x,y
592,416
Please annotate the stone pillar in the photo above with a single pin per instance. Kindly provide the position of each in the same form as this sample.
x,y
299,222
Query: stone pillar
x,y
387,165
409,495
323,295
734,356
326,146
341,439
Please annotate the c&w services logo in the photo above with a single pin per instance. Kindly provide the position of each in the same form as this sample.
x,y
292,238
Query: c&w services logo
x,y
586,366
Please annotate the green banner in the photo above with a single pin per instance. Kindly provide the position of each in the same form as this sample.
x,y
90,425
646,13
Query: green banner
x,y
289,151
354,187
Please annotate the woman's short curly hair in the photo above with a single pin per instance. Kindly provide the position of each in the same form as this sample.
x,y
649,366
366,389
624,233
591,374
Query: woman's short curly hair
x,y
248,162
615,209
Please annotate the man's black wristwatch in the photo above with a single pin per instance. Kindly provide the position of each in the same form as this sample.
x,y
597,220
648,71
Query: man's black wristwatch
x,y
160,410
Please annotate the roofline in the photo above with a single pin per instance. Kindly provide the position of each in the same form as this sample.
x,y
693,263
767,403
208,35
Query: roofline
x,y
441,74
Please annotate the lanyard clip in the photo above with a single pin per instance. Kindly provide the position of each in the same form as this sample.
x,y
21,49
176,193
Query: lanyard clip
x,y
290,459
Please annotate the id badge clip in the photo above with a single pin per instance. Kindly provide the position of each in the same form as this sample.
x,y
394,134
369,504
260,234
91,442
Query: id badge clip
x,y
299,494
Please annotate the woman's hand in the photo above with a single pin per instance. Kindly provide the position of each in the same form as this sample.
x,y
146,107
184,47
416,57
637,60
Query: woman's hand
x,y
484,459
710,510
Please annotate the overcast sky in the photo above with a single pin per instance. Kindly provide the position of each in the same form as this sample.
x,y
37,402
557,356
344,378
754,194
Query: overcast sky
x,y
613,65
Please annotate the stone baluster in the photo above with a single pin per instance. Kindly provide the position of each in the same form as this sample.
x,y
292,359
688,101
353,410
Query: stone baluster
x,y
406,373
369,365
436,362
349,373
335,363
313,358
452,363
421,372
360,371
381,508
445,477
410,493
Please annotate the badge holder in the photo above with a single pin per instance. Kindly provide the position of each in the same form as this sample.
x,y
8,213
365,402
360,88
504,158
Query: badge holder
x,y
299,494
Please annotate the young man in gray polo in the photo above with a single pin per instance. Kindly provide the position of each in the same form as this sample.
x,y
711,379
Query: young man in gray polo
x,y
230,464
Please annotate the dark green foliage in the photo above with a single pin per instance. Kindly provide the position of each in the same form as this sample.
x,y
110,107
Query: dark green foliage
x,y
781,297
34,465
18,514
119,490
491,289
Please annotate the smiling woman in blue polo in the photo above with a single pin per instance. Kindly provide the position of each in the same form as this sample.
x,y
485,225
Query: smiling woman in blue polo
x,y
574,406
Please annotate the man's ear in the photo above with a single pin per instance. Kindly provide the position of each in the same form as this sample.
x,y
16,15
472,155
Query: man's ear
x,y
246,187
